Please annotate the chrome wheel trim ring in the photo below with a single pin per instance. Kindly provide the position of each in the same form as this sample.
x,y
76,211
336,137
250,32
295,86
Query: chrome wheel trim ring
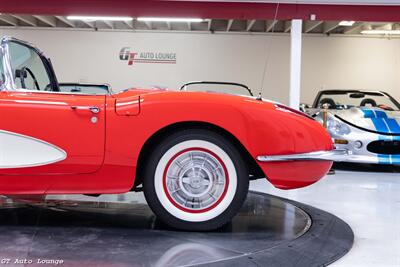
x,y
195,179
190,216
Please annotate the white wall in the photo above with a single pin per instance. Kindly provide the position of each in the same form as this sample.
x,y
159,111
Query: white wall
x,y
352,63
328,62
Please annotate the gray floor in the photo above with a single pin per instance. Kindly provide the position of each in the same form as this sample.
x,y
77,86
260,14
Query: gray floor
x,y
369,201
122,231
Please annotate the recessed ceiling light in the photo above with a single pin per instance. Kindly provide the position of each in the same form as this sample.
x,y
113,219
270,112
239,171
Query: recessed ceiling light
x,y
95,18
381,32
170,19
346,23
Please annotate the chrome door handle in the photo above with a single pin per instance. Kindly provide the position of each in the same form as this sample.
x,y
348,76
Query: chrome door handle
x,y
93,109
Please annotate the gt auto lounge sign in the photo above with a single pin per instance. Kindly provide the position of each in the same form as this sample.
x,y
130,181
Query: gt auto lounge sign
x,y
132,57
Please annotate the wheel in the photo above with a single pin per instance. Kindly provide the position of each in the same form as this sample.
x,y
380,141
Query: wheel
x,y
195,180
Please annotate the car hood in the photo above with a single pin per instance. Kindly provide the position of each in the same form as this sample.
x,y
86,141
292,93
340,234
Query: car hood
x,y
174,94
371,119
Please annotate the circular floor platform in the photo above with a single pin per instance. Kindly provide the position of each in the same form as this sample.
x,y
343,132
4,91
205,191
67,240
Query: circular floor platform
x,y
121,231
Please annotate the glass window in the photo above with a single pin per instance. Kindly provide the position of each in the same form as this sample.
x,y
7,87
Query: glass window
x,y
217,87
88,89
29,70
345,100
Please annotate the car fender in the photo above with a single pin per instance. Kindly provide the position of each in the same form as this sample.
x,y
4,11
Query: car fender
x,y
259,126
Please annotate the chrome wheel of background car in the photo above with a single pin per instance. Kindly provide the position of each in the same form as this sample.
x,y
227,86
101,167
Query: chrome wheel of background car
x,y
195,180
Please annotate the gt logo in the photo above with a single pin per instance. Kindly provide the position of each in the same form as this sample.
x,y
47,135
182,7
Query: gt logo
x,y
5,261
125,54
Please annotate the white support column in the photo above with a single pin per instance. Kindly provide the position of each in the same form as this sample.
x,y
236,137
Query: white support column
x,y
295,63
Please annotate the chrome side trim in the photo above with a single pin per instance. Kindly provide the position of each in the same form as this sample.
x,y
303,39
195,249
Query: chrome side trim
x,y
332,155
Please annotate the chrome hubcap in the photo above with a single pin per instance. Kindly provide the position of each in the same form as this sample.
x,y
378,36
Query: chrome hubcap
x,y
195,179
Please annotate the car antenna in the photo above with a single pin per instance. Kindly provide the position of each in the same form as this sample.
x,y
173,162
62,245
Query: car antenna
x,y
267,51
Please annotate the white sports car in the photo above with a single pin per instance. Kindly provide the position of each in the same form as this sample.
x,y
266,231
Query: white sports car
x,y
366,123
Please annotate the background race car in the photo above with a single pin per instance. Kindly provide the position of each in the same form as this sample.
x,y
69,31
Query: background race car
x,y
367,123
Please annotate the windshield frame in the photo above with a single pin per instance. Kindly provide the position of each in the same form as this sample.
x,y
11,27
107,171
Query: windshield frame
x,y
184,87
343,92
9,83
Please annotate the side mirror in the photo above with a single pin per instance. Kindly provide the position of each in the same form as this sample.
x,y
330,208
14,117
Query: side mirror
x,y
303,107
21,73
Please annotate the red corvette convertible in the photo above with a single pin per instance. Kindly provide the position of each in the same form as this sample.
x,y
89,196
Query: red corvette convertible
x,y
192,153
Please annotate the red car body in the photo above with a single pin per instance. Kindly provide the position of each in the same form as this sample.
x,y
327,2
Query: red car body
x,y
103,156
191,153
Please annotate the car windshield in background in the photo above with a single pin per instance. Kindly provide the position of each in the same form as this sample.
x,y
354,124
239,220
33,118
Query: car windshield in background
x,y
346,100
88,89
218,87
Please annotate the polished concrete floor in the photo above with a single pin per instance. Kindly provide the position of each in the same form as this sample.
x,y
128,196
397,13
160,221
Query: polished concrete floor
x,y
121,231
368,199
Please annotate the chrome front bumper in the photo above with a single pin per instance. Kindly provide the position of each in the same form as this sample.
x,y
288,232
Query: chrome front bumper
x,y
332,155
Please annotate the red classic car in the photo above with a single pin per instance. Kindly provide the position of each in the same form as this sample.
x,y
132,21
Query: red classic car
x,y
192,153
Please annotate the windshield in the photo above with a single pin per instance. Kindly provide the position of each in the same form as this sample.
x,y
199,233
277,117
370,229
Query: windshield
x,y
349,99
218,87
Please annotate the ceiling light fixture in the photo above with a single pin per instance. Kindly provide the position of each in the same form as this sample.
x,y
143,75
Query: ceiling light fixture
x,y
381,32
346,23
95,18
153,19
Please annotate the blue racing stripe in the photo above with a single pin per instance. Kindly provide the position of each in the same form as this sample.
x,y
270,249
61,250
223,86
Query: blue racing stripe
x,y
394,126
380,114
380,126
368,113
385,125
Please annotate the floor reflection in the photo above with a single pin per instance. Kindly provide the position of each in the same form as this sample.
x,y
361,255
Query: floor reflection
x,y
120,230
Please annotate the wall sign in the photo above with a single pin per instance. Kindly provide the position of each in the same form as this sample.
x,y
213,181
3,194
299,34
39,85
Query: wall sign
x,y
132,57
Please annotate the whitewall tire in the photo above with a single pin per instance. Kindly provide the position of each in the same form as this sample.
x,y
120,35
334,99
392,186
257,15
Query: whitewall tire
x,y
195,180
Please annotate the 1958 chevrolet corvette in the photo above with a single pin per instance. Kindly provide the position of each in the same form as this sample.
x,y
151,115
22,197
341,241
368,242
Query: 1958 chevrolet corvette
x,y
192,153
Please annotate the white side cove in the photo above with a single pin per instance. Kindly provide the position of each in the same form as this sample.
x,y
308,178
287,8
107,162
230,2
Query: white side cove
x,y
21,151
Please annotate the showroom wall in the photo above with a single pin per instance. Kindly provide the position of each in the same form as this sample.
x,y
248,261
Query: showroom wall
x,y
328,62
350,62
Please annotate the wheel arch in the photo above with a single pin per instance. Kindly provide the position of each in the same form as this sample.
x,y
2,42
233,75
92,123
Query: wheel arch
x,y
254,170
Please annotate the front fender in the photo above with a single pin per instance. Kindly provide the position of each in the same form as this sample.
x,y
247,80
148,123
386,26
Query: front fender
x,y
259,126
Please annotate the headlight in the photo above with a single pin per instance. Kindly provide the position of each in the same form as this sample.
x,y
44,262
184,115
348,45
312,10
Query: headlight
x,y
334,126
